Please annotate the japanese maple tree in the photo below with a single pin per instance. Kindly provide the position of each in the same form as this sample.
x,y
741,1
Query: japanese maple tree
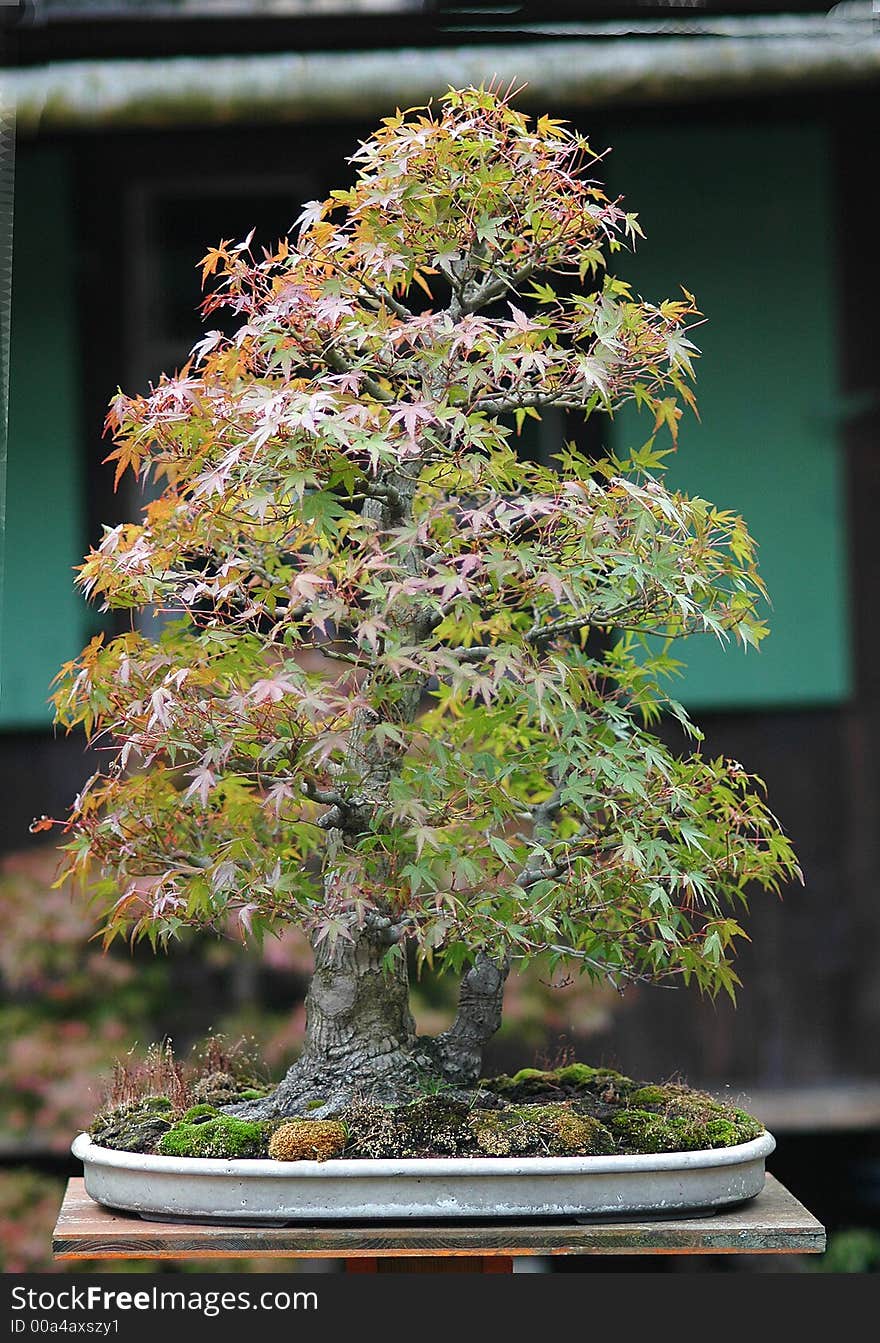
x,y
404,689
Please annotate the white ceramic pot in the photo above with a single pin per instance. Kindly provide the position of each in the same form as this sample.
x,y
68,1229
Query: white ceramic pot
x,y
202,1189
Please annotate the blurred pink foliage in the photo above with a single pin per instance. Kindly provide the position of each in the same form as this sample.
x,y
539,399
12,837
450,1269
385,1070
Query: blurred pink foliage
x,y
68,1009
28,1207
46,948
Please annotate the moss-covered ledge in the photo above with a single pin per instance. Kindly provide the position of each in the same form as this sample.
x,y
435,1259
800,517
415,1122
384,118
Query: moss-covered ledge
x,y
576,1110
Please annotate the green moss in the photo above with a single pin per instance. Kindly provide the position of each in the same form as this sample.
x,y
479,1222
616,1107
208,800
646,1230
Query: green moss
x,y
567,1133
747,1126
315,1105
645,1131
651,1095
721,1133
198,1113
638,1117
525,1077
432,1125
253,1093
673,1118
582,1075
570,1079
217,1136
505,1132
539,1130
158,1104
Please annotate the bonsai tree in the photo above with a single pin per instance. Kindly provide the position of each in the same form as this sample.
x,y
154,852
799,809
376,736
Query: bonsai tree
x,y
405,682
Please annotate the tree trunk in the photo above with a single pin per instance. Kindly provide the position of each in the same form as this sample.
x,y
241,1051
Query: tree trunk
x,y
360,1035
361,1040
459,1051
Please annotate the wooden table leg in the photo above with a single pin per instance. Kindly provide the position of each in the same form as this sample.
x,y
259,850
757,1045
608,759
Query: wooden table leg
x,y
450,1263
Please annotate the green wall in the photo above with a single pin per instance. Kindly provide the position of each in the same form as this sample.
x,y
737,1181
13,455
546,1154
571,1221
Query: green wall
x,y
43,619
742,218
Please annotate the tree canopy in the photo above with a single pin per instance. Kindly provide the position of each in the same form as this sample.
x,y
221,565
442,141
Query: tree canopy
x,y
405,677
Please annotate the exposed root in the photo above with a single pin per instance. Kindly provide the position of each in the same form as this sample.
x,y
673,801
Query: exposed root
x,y
322,1091
361,1042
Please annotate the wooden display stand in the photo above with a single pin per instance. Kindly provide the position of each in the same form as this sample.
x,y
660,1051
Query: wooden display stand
x,y
773,1223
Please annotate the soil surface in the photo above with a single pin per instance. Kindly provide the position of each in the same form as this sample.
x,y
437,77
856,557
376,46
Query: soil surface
x,y
570,1111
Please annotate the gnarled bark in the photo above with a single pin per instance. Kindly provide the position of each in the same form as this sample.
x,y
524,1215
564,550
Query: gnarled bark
x,y
361,1040
459,1051
360,1034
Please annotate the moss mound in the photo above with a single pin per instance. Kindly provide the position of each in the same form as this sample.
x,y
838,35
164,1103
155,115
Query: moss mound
x,y
674,1118
575,1081
196,1113
433,1126
447,1126
574,1110
430,1126
204,1132
136,1127
372,1130
636,1117
308,1140
539,1130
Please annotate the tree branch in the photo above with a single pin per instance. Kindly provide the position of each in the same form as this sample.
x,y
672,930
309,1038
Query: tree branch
x,y
327,797
337,361
382,296
545,813
612,973
480,1003
388,494
345,813
540,635
562,400
489,290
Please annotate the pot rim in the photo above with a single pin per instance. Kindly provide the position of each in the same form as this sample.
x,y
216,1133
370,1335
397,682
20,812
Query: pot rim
x,y
421,1167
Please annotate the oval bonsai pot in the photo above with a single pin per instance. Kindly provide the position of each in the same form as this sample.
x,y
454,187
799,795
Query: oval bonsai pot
x,y
203,1189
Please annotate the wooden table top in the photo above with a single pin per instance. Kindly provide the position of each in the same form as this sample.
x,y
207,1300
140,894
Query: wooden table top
x,y
773,1223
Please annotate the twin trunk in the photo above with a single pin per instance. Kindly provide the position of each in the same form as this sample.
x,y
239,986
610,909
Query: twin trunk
x,y
360,1034
361,1039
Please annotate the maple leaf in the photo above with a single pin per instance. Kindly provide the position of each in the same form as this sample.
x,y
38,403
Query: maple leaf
x,y
278,794
243,246
310,214
245,917
521,322
412,413
332,307
213,258
128,454
272,688
203,780
204,347
306,586
118,412
160,702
